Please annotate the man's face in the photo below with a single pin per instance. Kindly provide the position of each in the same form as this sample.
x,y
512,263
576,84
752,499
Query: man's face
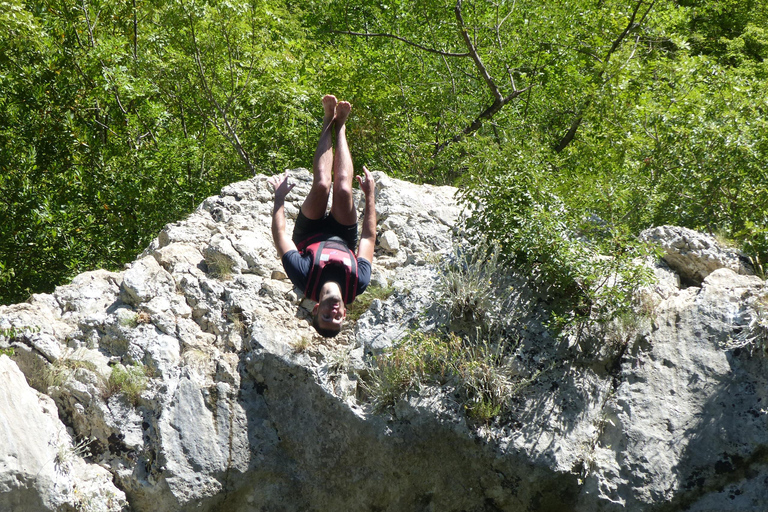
x,y
330,311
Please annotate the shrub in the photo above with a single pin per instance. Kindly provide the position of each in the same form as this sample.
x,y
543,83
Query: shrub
x,y
477,369
588,271
418,359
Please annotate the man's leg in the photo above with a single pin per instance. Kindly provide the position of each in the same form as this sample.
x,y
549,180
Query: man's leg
x,y
343,208
322,165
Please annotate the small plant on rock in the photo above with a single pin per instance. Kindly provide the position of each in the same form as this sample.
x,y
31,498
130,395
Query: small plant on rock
x,y
220,265
60,371
416,360
474,289
131,381
363,302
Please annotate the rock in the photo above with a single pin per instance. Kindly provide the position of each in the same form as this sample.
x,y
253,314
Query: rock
x,y
222,258
40,467
144,280
237,405
389,241
694,255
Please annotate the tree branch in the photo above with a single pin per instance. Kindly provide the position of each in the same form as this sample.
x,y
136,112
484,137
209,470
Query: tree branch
x,y
230,133
475,57
486,114
406,41
631,25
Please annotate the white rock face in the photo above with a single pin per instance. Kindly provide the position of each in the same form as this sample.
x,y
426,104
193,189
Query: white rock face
x,y
40,468
228,400
695,255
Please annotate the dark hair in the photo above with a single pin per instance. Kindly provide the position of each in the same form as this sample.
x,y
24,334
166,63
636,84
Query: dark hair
x,y
325,333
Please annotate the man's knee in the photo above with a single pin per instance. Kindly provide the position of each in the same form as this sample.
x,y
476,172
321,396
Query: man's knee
x,y
321,185
342,191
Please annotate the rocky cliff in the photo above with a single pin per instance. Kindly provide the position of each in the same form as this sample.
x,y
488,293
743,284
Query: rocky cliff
x,y
192,380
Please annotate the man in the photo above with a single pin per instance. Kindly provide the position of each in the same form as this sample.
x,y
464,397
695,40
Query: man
x,y
318,258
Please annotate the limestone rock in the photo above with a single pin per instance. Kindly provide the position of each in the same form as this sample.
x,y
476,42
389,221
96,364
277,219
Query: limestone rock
x,y
694,255
233,403
389,241
144,280
40,467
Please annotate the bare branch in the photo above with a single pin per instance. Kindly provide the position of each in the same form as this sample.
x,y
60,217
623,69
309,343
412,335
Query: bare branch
x,y
229,132
473,53
406,41
631,25
486,114
497,28
631,56
571,133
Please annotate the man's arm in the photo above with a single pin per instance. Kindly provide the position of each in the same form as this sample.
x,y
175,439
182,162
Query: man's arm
x,y
368,236
283,242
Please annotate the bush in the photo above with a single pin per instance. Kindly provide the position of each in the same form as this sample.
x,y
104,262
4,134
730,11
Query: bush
x,y
587,270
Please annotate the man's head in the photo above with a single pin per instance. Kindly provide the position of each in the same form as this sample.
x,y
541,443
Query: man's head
x,y
329,312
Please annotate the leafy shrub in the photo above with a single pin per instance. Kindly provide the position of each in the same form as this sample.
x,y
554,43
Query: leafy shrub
x,y
561,254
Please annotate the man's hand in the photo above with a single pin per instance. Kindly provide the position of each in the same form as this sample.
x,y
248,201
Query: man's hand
x,y
280,182
367,185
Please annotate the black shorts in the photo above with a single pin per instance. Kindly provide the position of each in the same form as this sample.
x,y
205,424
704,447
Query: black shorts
x,y
305,228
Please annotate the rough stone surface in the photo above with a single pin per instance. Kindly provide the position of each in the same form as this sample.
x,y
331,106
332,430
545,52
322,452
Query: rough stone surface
x,y
245,409
695,255
40,467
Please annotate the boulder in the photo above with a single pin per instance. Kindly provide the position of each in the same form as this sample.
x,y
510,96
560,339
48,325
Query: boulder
x,y
695,255
177,385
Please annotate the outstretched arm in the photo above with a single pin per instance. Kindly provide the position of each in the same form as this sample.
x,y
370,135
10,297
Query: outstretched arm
x,y
368,236
283,242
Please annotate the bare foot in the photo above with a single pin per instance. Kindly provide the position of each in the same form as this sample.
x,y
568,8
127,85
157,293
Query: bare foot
x,y
342,112
329,107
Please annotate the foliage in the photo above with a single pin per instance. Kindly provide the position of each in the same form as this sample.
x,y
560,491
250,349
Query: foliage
x,y
220,265
116,118
130,381
363,302
477,309
595,271
15,332
475,289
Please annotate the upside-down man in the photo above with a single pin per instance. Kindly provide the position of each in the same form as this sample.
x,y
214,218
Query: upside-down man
x,y
319,257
